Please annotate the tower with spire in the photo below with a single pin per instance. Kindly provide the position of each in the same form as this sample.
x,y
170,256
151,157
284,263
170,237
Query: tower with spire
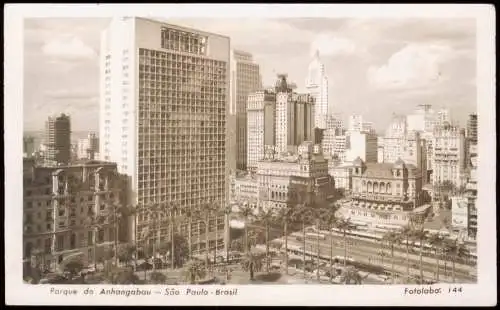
x,y
317,87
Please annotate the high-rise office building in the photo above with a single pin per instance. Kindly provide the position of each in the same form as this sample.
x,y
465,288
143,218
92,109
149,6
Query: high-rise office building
x,y
57,140
88,148
164,105
472,128
355,123
317,87
294,116
449,162
363,145
245,79
261,114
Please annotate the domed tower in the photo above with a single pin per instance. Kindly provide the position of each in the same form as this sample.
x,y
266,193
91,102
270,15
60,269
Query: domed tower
x,y
281,85
359,166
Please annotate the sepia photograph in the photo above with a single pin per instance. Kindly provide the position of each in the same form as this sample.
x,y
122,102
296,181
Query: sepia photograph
x,y
189,156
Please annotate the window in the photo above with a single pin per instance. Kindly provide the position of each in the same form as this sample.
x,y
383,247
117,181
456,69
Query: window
x,y
72,241
47,245
60,243
90,238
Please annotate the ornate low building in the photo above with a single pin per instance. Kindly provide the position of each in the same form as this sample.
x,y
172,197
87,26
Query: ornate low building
x,y
387,195
297,177
69,210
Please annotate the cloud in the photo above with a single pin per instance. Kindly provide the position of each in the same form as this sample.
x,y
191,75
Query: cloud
x,y
331,44
414,66
68,47
68,94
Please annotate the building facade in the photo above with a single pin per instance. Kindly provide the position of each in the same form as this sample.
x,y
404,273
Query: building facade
x,y
294,116
169,132
245,79
317,87
88,148
385,195
69,210
299,177
261,115
28,146
57,140
363,145
449,155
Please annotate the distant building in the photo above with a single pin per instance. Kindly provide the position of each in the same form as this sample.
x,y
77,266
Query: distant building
x,y
385,195
261,114
88,148
245,79
363,145
294,178
355,123
317,87
59,203
342,175
277,118
472,128
57,140
449,155
245,189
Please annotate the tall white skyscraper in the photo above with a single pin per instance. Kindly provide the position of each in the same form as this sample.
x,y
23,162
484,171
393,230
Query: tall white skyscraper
x,y
245,79
163,112
317,87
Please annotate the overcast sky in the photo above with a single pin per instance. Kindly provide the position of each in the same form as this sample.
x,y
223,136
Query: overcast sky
x,y
375,67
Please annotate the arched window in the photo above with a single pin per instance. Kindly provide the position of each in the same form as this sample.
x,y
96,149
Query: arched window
x,y
375,187
364,189
370,187
388,188
382,187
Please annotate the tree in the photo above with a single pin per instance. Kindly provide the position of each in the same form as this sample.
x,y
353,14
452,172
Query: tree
x,y
437,242
180,250
157,278
302,213
352,276
116,213
344,225
237,245
126,252
95,223
252,262
246,211
190,214
329,218
284,214
266,216
455,250
421,236
172,211
407,234
227,211
73,266
194,270
392,238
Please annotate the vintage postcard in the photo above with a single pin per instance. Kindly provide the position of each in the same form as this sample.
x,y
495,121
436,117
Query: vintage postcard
x,y
250,154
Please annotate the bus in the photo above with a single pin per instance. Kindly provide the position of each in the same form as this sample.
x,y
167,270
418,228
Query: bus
x,y
315,236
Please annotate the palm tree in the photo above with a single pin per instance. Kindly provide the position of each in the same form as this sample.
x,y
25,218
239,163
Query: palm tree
x,y
284,215
172,209
392,238
207,211
329,218
421,236
437,242
227,211
246,211
303,214
190,213
266,216
455,250
217,212
345,226
96,223
317,215
407,233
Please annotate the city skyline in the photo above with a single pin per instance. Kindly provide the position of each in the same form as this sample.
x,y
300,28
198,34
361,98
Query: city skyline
x,y
368,51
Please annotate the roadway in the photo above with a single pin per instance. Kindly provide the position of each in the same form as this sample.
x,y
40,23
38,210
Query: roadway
x,y
368,252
